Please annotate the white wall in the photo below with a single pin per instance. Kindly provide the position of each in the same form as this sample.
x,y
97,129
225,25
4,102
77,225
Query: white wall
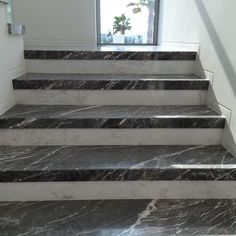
x,y
210,23
11,61
57,23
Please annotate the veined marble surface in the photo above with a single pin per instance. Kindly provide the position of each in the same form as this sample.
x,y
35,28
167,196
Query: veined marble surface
x,y
111,55
109,97
115,163
36,116
110,82
119,218
45,137
109,67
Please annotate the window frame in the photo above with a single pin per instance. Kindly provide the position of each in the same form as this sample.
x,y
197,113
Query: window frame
x,y
155,33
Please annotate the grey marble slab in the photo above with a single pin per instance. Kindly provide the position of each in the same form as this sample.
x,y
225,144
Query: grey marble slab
x,y
119,218
111,55
110,82
115,163
65,116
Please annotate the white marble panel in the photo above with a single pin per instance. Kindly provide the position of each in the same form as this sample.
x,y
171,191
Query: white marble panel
x,y
21,137
52,191
110,67
114,97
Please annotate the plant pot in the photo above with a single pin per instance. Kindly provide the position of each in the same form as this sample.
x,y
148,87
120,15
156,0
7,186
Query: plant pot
x,y
119,38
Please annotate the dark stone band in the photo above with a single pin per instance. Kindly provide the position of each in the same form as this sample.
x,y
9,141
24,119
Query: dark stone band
x,y
106,84
107,55
116,163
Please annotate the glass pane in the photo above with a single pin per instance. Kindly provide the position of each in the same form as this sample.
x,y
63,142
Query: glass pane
x,y
127,21
9,12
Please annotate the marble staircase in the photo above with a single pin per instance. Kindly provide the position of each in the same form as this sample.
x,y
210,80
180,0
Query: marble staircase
x,y
94,134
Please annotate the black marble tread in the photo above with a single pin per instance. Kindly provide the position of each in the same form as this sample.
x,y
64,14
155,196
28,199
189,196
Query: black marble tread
x,y
110,82
111,55
116,163
119,218
72,116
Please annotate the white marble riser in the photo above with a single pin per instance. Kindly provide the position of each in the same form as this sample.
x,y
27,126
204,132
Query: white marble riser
x,y
109,67
22,137
53,191
120,97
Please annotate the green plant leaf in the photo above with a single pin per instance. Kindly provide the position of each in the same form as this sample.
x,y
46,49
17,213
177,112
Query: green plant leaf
x,y
121,24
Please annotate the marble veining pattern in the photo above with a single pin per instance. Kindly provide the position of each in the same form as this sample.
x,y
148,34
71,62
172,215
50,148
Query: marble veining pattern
x,y
119,218
110,82
110,67
111,55
62,116
115,163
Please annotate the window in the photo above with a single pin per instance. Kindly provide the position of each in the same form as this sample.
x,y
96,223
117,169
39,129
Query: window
x,y
127,22
9,12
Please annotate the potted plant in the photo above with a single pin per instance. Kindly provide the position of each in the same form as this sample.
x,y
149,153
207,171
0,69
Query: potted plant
x,y
120,25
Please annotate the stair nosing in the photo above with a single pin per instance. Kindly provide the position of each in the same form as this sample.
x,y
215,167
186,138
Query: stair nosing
x,y
111,55
111,84
113,123
215,174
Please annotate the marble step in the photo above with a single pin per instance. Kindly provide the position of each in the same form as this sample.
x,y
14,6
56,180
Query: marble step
x,y
111,61
119,217
111,55
110,117
109,82
85,89
116,163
